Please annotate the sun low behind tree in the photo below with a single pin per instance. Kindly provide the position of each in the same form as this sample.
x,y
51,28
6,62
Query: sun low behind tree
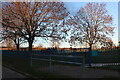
x,y
92,24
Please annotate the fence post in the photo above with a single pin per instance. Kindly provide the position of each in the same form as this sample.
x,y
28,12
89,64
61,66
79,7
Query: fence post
x,y
83,60
83,66
30,60
89,57
50,63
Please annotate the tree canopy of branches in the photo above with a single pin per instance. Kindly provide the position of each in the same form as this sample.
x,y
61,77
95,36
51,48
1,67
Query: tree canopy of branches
x,y
91,24
33,19
55,43
14,35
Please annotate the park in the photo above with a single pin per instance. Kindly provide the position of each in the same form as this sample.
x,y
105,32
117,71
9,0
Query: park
x,y
44,40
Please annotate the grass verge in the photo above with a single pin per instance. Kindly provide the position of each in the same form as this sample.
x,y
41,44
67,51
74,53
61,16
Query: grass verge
x,y
109,67
23,65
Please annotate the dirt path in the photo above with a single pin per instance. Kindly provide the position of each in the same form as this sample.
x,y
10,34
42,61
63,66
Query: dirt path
x,y
80,72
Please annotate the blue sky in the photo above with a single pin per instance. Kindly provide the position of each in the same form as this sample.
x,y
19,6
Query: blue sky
x,y
73,7
112,8
119,21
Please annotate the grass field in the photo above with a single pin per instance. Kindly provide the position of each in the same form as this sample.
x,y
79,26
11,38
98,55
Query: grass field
x,y
22,62
24,66
110,67
106,59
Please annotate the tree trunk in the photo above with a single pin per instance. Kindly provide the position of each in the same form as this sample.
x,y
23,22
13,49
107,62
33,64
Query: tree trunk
x,y
89,55
30,45
90,46
18,45
30,41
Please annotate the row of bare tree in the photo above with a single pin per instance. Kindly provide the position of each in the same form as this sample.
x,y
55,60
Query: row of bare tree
x,y
24,21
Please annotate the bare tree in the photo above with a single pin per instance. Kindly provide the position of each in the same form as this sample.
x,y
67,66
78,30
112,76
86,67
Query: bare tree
x,y
33,19
14,35
91,24
55,43
9,43
40,45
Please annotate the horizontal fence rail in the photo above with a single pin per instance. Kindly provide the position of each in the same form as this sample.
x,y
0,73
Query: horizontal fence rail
x,y
103,58
60,61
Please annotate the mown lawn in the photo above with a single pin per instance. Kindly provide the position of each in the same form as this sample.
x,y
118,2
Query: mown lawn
x,y
23,65
106,59
21,62
109,67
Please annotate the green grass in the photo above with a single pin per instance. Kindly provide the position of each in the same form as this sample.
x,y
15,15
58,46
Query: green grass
x,y
23,65
102,58
106,59
109,67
